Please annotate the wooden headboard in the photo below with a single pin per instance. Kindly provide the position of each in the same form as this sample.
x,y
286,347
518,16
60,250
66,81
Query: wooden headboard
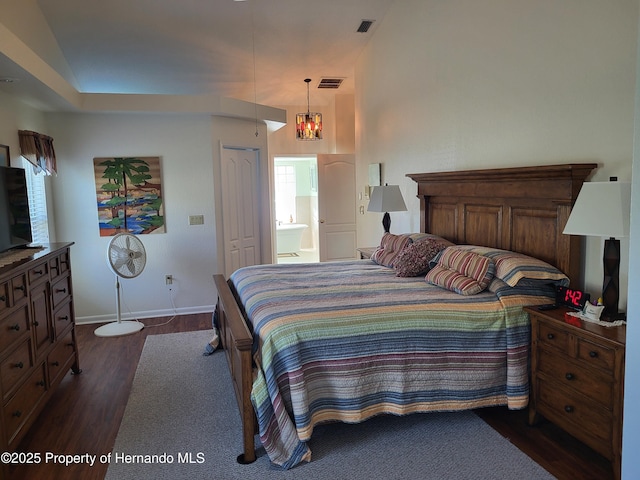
x,y
521,209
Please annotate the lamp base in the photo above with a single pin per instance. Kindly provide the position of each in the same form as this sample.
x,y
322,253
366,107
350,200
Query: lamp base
x,y
610,286
386,222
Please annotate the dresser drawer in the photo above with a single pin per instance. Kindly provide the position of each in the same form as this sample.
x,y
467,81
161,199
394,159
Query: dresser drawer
x,y
583,419
16,411
13,327
38,272
18,289
59,360
594,384
60,291
552,337
15,366
4,296
62,319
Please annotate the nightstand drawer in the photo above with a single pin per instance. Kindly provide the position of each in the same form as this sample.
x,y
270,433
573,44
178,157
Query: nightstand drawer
x,y
585,420
594,385
553,337
597,355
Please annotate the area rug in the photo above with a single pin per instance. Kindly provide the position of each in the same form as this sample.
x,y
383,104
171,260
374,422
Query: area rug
x,y
182,422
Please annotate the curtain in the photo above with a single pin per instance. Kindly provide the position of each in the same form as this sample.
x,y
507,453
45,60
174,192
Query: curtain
x,y
38,149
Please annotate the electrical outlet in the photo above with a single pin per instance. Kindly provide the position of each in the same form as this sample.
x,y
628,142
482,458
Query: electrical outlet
x,y
168,279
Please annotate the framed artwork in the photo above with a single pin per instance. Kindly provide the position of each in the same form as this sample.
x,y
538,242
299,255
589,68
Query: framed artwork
x,y
5,157
129,195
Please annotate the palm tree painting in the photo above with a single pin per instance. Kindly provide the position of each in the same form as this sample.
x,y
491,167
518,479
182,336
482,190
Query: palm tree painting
x,y
129,195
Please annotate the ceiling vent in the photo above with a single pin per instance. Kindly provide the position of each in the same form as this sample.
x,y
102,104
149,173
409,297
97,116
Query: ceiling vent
x,y
330,83
365,25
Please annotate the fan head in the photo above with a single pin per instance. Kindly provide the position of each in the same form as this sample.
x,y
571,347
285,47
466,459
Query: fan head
x,y
126,255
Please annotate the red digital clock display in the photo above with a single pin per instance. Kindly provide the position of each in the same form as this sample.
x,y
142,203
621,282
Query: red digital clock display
x,y
571,298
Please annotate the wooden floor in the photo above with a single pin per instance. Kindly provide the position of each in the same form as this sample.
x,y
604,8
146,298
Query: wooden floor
x,y
84,414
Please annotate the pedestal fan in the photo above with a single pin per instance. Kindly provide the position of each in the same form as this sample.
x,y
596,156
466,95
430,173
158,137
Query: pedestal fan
x,y
126,257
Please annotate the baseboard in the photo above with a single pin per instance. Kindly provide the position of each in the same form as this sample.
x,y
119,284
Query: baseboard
x,y
146,314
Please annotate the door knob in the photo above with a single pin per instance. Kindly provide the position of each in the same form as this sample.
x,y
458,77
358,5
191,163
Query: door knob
x,y
321,220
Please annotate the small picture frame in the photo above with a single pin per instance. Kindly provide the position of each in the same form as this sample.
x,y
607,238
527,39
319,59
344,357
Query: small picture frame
x,y
5,157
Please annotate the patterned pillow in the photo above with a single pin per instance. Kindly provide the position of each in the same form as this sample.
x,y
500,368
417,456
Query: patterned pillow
x,y
414,259
519,269
418,237
390,246
460,271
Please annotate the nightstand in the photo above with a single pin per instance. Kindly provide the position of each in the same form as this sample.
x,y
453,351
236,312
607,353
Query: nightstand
x,y
366,252
577,375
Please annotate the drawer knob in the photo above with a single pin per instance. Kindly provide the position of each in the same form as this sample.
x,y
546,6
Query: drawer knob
x,y
55,364
550,336
19,365
40,383
61,290
39,272
568,408
15,327
65,317
20,287
569,376
17,414
35,323
593,354
3,298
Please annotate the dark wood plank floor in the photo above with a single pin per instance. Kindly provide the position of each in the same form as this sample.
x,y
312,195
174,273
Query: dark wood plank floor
x,y
84,414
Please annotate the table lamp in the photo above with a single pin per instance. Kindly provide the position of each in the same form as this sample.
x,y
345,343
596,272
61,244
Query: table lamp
x,y
387,198
602,209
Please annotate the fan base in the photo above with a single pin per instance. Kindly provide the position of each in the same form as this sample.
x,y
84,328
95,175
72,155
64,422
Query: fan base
x,y
116,329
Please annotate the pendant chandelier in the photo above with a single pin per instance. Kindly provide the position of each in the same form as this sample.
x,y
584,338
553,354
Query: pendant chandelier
x,y
308,125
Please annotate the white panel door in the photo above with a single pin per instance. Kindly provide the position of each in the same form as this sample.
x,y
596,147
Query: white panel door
x,y
337,207
240,208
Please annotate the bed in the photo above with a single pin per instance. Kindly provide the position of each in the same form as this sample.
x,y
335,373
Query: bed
x,y
344,341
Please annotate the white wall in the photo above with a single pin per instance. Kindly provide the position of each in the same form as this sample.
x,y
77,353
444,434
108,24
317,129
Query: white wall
x,y
14,116
468,85
184,144
631,430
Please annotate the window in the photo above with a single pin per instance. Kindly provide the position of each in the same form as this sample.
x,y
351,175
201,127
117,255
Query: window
x,y
37,204
285,180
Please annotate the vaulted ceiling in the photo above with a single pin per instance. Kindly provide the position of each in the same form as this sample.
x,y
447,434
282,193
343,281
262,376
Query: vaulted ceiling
x,y
253,50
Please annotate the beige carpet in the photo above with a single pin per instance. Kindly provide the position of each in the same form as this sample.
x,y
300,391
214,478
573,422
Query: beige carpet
x,y
182,421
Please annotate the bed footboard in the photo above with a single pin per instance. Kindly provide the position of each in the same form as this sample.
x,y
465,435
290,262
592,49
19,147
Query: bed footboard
x,y
237,342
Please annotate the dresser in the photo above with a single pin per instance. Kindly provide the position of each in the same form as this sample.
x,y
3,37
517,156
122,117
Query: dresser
x,y
577,375
37,336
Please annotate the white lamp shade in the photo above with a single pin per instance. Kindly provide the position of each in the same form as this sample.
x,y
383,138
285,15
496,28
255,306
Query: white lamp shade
x,y
387,198
602,209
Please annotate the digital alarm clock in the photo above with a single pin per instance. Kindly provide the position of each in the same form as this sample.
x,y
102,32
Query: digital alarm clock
x,y
569,297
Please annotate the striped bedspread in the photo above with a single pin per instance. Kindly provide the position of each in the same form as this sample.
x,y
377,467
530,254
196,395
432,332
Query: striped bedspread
x,y
345,341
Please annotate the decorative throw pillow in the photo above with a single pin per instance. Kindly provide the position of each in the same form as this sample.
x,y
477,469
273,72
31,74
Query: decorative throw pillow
x,y
419,237
414,259
390,246
519,269
461,271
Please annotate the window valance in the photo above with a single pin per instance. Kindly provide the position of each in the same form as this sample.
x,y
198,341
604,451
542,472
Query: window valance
x,y
38,149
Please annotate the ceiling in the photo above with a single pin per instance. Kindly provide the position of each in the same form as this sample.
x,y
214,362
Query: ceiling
x,y
247,50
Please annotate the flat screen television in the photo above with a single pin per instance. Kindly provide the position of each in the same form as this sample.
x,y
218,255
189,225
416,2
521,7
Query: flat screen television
x,y
15,222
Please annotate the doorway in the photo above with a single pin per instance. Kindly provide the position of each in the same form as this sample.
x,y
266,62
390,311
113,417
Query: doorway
x,y
296,208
